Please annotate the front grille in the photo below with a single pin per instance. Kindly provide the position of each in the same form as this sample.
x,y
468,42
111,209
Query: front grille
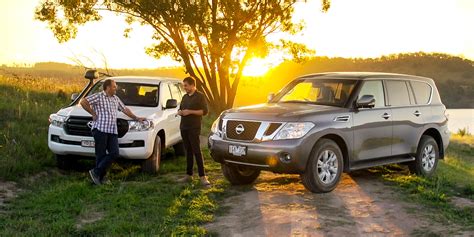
x,y
249,130
78,126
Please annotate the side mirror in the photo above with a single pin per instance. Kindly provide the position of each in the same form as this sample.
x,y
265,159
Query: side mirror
x,y
366,101
270,97
171,104
74,96
92,74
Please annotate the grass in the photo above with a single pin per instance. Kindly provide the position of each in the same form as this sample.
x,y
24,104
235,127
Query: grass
x,y
135,204
454,178
24,110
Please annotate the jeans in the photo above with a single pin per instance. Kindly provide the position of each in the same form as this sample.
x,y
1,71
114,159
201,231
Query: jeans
x,y
106,151
191,144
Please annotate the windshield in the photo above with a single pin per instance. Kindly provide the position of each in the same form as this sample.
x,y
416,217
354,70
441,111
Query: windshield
x,y
133,94
332,92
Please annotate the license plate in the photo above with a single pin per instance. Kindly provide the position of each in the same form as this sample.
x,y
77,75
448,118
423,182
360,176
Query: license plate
x,y
237,150
87,143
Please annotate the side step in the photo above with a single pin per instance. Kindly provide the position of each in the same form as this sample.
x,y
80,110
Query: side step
x,y
378,162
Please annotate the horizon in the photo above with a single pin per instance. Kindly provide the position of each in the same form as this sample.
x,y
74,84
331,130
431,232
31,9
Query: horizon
x,y
32,65
440,28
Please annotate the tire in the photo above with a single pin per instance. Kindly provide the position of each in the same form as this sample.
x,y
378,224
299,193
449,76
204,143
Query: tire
x,y
179,149
315,178
64,162
152,164
427,156
239,175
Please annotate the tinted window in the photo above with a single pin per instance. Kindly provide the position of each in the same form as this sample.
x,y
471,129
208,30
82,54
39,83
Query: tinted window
x,y
374,88
133,94
166,94
326,92
175,92
422,92
398,93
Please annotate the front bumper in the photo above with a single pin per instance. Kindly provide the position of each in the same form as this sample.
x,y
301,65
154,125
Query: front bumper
x,y
134,145
264,155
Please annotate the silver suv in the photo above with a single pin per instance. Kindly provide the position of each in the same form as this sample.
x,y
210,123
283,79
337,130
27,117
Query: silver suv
x,y
321,125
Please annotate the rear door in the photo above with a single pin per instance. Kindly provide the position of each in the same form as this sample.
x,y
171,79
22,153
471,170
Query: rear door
x,y
406,116
372,126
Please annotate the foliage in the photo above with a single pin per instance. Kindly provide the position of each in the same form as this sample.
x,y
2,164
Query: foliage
x,y
213,39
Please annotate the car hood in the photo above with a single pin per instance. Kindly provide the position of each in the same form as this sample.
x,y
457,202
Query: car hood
x,y
279,111
77,110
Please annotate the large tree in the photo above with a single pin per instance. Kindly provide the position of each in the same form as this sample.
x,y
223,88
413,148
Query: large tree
x,y
213,39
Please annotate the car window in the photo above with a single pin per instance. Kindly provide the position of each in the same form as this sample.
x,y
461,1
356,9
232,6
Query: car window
x,y
331,92
397,93
166,94
175,92
374,88
133,94
422,92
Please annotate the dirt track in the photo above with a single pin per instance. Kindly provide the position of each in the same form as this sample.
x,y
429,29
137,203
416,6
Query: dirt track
x,y
278,205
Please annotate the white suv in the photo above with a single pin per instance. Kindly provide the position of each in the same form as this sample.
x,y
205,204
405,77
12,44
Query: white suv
x,y
155,98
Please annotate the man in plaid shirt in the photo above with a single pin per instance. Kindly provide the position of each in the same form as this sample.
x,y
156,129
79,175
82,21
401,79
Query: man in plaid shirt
x,y
104,107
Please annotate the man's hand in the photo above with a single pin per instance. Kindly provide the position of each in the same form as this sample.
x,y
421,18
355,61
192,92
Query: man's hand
x,y
185,112
140,119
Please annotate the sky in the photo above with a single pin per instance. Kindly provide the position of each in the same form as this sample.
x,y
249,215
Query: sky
x,y
351,28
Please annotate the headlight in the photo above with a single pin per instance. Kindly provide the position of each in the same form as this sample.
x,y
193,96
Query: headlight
x,y
57,120
136,126
294,130
214,127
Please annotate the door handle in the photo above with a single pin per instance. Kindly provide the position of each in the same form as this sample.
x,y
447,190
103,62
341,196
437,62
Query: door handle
x,y
417,113
386,116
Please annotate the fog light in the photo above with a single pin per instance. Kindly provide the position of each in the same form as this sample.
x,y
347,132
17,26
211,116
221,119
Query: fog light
x,y
285,157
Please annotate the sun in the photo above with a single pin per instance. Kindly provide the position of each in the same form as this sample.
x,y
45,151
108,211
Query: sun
x,y
256,67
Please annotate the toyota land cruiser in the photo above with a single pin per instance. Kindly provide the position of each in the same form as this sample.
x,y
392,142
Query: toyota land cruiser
x,y
155,98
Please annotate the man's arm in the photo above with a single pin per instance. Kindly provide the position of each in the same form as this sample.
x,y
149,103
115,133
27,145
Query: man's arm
x,y
85,104
130,114
198,112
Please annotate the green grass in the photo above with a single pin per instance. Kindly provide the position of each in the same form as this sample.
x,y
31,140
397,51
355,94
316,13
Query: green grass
x,y
135,204
24,111
454,178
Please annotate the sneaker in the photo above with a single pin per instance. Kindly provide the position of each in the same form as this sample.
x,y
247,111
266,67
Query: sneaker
x,y
205,182
186,179
95,178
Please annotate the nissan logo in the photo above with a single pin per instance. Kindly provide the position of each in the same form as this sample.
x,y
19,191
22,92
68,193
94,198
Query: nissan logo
x,y
90,124
239,129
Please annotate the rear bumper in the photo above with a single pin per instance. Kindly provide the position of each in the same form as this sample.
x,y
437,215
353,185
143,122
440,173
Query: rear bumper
x,y
134,145
265,155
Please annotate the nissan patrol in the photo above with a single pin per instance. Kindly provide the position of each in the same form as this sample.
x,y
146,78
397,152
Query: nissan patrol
x,y
321,125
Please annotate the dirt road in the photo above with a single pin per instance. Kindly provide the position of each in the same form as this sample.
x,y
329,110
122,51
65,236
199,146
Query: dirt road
x,y
278,205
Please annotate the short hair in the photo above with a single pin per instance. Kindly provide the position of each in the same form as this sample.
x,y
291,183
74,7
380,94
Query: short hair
x,y
107,83
190,80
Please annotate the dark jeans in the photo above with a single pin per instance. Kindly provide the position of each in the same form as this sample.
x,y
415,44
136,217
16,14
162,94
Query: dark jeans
x,y
106,151
191,144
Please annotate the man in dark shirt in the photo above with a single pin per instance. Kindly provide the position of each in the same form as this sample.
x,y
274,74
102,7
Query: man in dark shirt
x,y
193,107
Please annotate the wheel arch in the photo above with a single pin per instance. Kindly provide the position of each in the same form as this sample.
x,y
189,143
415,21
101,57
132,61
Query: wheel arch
x,y
162,136
436,135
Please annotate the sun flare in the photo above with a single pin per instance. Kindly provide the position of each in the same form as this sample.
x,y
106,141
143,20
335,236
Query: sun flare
x,y
256,67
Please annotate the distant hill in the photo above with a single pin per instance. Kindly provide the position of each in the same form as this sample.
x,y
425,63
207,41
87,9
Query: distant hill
x,y
454,76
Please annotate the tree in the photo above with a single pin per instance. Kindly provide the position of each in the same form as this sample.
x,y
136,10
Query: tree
x,y
213,39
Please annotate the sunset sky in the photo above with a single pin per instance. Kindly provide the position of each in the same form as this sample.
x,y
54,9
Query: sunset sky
x,y
351,28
